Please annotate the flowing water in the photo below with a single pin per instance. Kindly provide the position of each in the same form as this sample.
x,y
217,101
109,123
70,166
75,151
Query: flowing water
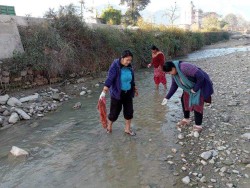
x,y
69,148
202,54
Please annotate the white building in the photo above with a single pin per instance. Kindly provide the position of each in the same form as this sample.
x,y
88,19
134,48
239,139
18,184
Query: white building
x,y
190,16
90,14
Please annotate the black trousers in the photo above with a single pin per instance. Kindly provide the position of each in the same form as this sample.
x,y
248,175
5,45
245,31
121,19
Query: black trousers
x,y
197,115
126,101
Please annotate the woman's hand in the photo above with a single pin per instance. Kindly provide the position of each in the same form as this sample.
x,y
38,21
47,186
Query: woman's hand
x,y
136,92
104,91
103,94
149,65
192,91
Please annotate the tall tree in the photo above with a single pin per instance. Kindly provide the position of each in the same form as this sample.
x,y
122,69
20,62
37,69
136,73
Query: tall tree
x,y
241,21
111,16
63,10
51,13
133,12
235,22
211,23
172,14
232,21
139,4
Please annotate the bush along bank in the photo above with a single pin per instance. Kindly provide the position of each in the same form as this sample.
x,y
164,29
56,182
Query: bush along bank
x,y
65,48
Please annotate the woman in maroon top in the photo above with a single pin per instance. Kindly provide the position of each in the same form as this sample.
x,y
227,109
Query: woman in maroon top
x,y
158,60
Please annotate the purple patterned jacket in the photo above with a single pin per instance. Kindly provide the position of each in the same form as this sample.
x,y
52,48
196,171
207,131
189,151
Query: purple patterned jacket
x,y
196,75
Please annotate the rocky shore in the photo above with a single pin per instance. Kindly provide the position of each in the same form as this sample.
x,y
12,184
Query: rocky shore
x,y
220,156
36,103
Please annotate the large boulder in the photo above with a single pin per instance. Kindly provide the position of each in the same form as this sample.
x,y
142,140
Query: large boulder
x,y
186,180
55,80
57,96
14,102
207,155
81,80
18,151
40,80
30,98
77,105
1,120
83,93
22,113
4,99
54,90
13,118
246,136
6,113
2,109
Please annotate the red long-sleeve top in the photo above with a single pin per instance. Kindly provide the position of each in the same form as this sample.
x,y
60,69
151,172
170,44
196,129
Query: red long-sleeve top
x,y
158,59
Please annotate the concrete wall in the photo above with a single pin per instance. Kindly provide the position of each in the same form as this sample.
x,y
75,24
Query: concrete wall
x,y
26,21
9,35
9,40
20,20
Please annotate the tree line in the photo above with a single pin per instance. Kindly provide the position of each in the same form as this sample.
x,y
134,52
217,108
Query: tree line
x,y
211,21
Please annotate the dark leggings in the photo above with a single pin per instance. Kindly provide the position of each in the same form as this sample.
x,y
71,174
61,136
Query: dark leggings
x,y
126,102
197,115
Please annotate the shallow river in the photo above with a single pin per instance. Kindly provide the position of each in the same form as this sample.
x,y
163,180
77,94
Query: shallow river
x,y
69,148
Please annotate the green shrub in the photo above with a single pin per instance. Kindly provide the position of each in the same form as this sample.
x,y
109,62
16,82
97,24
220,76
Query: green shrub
x,y
65,45
45,50
213,37
111,16
197,40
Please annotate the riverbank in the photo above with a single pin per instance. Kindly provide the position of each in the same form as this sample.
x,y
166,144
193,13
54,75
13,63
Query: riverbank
x,y
226,134
229,44
26,104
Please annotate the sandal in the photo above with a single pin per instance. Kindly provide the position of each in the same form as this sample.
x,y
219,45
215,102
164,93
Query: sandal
x,y
109,131
183,123
197,128
131,133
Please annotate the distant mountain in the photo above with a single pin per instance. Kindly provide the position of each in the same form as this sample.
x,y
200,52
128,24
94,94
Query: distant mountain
x,y
157,17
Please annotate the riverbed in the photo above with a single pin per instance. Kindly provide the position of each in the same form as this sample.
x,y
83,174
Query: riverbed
x,y
69,147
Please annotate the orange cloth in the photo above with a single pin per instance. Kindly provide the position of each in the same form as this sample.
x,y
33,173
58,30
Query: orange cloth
x,y
101,106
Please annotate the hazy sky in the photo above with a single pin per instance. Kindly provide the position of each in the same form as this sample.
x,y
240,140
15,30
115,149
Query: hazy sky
x,y
38,8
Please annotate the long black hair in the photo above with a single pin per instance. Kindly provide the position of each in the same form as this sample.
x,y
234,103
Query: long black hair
x,y
126,53
167,67
153,47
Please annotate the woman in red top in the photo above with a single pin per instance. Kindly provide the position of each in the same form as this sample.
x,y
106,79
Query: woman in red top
x,y
158,60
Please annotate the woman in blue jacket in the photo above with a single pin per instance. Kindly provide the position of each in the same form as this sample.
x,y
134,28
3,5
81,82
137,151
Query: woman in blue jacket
x,y
121,85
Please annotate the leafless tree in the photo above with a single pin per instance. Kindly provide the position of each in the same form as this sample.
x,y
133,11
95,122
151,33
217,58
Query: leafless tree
x,y
82,7
172,14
